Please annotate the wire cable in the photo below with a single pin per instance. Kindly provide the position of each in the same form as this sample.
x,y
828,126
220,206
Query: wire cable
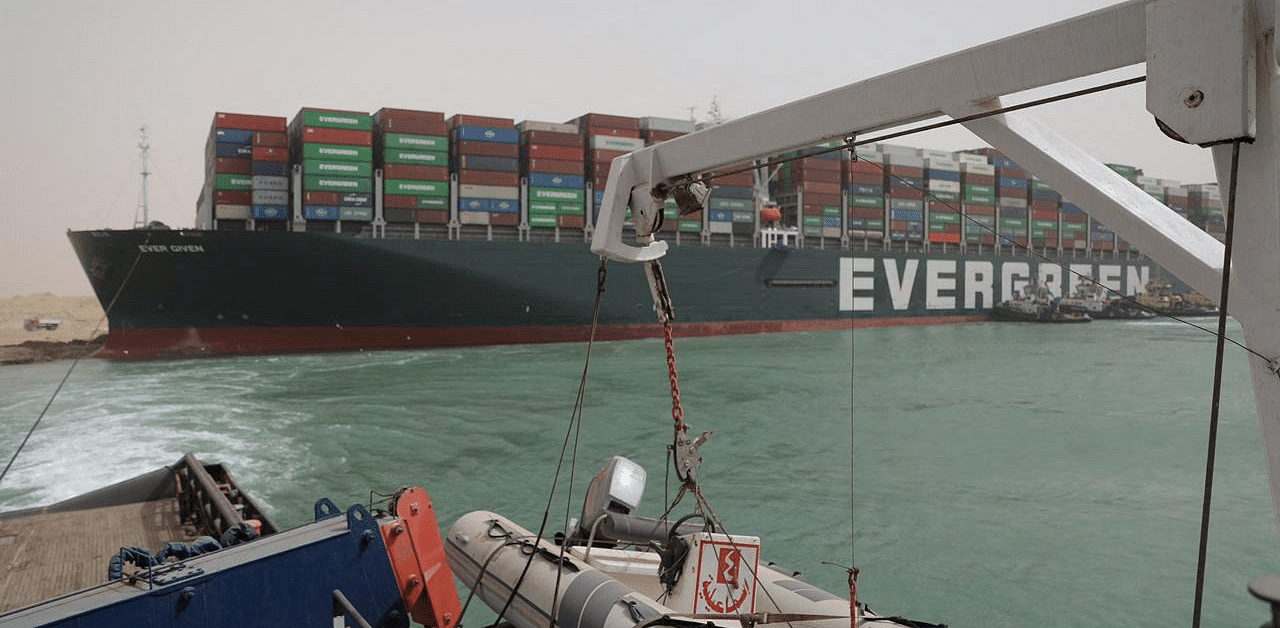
x,y
1211,455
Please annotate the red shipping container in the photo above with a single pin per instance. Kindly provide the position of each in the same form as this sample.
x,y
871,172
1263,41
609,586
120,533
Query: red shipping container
x,y
278,139
824,165
978,179
433,216
400,201
1044,214
980,210
504,220
488,177
907,171
654,136
321,198
866,212
573,221
819,187
463,119
811,209
819,198
865,167
605,156
1011,192
415,172
910,193
821,176
232,197
487,149
555,166
606,120
552,138
232,165
599,181
271,153
593,131
867,178
390,120
550,151
348,137
248,122
1047,206
1012,173
942,236
1051,235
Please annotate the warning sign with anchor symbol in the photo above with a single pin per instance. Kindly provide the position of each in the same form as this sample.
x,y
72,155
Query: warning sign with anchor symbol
x,y
726,568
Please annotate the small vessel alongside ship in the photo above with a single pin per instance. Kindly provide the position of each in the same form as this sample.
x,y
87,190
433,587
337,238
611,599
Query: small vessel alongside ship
x,y
1036,304
1090,299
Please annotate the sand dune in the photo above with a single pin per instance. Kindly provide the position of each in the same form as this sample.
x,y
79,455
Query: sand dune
x,y
81,317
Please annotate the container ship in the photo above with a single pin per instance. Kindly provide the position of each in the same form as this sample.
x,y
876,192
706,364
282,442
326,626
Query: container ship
x,y
345,230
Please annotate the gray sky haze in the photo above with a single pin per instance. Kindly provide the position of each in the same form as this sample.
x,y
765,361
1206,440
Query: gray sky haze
x,y
80,78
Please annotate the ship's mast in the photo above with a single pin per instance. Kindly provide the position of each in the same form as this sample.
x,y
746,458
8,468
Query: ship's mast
x,y
140,217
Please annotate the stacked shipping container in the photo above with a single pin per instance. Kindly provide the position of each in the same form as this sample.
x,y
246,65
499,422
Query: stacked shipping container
x,y
486,159
655,130
334,150
552,161
246,166
412,150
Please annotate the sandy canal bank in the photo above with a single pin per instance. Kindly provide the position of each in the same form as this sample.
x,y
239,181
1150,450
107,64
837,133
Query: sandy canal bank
x,y
81,331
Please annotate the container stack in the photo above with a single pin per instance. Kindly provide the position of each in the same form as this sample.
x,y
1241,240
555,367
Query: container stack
x,y
1073,227
978,197
906,193
1046,208
552,159
942,179
335,150
240,149
486,159
605,137
866,191
1205,206
655,130
1012,186
412,150
1175,197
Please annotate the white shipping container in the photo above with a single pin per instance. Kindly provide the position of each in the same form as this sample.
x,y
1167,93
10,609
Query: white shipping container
x,y
613,142
718,226
231,212
473,218
270,197
929,153
552,127
986,169
938,185
654,123
264,182
942,163
469,190
972,158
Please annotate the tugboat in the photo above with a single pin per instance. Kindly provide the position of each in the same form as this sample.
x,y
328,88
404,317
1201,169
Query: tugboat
x,y
1036,304
1159,297
1090,299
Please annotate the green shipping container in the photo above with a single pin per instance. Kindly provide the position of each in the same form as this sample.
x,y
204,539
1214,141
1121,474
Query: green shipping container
x,y
436,143
233,182
558,195
338,168
325,183
979,199
1044,224
575,209
543,207
813,221
873,223
670,213
943,218
744,216
419,157
364,214
690,226
975,188
539,220
1038,233
946,197
1013,223
336,120
1041,185
729,204
831,210
866,201
336,151
415,188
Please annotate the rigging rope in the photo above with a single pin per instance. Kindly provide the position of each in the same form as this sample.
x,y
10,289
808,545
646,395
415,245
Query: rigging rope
x,y
1211,455
572,433
74,363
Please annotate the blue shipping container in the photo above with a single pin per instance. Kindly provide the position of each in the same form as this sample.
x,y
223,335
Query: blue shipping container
x,y
473,204
1005,162
232,150
942,175
269,212
496,164
859,189
504,206
732,191
320,212
1072,208
1012,182
896,181
720,215
550,180
831,221
497,135
913,215
355,213
269,169
233,136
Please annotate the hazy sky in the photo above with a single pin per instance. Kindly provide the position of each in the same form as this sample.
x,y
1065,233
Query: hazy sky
x,y
80,78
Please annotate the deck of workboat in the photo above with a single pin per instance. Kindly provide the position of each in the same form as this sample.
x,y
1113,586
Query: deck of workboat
x,y
46,553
